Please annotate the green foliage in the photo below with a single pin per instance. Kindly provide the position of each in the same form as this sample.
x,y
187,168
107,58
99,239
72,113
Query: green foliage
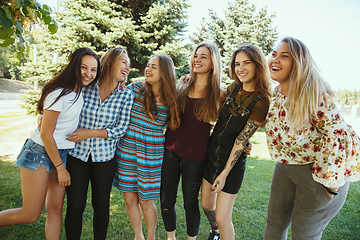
x,y
31,99
15,15
43,68
9,62
242,24
142,27
347,97
41,72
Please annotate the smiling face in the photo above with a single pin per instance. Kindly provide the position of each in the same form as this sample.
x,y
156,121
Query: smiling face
x,y
201,61
89,69
152,72
245,70
281,63
120,68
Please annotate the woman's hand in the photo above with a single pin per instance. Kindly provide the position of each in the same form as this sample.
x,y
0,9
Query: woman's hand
x,y
331,195
63,176
39,122
79,135
185,78
248,148
219,183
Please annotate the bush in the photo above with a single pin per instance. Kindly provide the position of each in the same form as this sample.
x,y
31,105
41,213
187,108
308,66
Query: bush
x,y
31,99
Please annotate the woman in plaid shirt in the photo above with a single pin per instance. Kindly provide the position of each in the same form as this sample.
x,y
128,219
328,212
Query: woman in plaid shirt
x,y
103,120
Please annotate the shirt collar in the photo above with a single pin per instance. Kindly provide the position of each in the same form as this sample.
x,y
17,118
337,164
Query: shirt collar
x,y
120,87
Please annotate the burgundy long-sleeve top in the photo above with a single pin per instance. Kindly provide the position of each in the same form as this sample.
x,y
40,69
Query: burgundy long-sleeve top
x,y
190,140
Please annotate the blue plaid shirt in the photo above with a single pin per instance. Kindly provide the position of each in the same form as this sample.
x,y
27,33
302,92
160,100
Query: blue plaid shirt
x,y
113,115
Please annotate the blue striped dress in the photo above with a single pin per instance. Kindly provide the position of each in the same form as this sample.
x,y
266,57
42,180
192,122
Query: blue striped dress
x,y
140,151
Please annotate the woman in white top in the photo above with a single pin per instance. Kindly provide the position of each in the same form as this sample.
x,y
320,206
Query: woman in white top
x,y
42,159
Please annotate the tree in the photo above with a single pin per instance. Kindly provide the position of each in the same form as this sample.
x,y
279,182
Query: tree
x,y
16,15
347,97
142,27
242,24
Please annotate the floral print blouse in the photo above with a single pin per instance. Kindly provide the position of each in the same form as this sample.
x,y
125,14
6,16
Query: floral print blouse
x,y
328,142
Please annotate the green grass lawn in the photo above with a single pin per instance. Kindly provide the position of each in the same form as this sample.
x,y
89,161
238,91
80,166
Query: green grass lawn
x,y
249,215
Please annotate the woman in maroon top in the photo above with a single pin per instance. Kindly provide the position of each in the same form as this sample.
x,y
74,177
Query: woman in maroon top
x,y
200,100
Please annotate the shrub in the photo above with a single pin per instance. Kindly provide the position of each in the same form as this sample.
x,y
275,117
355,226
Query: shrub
x,y
30,99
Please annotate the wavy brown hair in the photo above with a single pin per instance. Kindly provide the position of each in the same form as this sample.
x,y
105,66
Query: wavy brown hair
x,y
69,79
208,108
262,77
167,93
107,60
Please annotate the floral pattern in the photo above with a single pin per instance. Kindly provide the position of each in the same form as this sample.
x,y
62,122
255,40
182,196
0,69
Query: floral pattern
x,y
327,141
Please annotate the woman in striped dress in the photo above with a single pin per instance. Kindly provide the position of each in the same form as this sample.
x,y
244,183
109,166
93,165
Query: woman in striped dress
x,y
140,152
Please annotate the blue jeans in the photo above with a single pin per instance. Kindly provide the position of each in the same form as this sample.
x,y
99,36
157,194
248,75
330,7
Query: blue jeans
x,y
33,155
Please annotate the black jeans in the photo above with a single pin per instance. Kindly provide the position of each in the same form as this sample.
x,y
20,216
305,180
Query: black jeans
x,y
192,171
101,175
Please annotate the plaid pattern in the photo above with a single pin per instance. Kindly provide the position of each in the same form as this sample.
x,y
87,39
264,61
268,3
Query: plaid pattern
x,y
113,115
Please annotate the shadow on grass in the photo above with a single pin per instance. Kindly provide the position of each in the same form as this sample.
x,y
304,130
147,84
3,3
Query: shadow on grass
x,y
249,214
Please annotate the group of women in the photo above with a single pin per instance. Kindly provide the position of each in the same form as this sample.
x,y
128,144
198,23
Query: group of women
x,y
120,132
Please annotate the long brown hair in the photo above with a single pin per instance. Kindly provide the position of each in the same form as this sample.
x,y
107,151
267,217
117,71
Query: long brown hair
x,y
208,108
107,60
167,93
262,78
69,79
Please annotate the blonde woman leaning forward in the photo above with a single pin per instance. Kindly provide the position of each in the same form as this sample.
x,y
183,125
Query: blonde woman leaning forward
x,y
317,153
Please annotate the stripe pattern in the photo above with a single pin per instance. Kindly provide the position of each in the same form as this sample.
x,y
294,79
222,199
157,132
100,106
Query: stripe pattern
x,y
140,152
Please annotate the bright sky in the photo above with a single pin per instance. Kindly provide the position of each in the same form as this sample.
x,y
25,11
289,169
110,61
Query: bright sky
x,y
330,29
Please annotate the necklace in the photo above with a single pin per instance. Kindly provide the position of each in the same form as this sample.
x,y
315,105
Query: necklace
x,y
241,102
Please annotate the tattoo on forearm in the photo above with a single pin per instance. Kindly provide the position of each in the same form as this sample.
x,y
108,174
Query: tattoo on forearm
x,y
211,217
250,128
236,157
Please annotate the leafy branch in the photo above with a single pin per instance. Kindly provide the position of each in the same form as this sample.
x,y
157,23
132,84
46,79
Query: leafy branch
x,y
16,15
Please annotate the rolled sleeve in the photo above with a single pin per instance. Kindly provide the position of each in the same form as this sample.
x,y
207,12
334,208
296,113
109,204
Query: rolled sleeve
x,y
113,115
123,119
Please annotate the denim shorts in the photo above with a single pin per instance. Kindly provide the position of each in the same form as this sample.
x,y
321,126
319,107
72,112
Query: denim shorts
x,y
33,155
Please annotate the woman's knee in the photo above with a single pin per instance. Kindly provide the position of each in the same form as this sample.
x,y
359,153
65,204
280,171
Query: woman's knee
x,y
30,217
146,204
54,208
191,204
207,204
223,220
131,201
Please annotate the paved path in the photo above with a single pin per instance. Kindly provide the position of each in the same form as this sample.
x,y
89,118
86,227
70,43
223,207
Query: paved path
x,y
10,106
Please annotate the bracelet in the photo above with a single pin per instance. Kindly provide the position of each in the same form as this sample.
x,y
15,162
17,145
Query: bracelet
x,y
59,164
330,191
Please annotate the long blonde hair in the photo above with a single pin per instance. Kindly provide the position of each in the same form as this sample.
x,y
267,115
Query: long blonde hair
x,y
167,92
307,86
208,108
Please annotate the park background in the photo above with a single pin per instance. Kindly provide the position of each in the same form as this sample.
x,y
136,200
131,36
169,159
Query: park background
x,y
329,28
